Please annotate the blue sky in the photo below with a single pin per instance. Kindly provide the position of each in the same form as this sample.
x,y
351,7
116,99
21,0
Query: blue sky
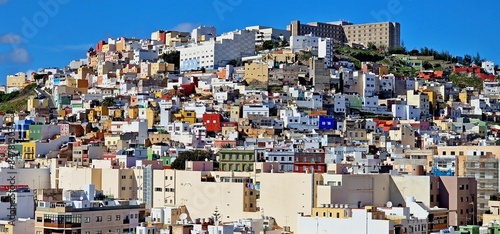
x,y
50,33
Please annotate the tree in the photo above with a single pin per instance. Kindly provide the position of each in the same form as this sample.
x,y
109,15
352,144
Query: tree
x,y
414,52
477,59
108,101
467,60
267,45
397,50
172,57
233,62
284,43
426,65
372,46
196,155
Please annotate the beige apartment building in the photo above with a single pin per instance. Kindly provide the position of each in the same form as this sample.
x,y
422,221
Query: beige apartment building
x,y
88,217
381,34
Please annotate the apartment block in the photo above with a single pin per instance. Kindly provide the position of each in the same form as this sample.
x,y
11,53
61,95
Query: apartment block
x,y
385,34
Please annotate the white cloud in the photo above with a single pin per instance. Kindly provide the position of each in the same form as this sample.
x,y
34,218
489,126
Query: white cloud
x,y
3,1
82,47
10,38
184,27
19,55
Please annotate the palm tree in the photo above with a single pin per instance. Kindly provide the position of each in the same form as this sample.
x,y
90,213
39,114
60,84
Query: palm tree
x,y
108,101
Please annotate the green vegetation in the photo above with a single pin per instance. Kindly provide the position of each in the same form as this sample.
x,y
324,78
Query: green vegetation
x,y
197,155
464,81
17,100
172,57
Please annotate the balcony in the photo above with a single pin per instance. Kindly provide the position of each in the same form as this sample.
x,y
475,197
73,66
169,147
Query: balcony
x,y
61,225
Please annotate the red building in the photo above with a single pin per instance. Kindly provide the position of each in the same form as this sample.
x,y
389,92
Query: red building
x,y
99,45
212,122
309,162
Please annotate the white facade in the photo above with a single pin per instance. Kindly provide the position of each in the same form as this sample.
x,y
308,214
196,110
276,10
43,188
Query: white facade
x,y
307,42
218,51
256,110
370,103
141,55
339,104
491,88
405,112
369,84
361,222
203,33
25,205
325,51
489,67
264,33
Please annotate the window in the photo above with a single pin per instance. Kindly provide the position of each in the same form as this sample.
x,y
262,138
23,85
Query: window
x,y
158,189
98,219
87,219
118,217
109,218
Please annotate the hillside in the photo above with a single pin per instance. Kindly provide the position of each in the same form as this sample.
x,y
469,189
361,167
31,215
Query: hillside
x,y
16,101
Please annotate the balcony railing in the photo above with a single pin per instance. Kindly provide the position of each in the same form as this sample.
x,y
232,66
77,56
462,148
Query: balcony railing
x,y
61,225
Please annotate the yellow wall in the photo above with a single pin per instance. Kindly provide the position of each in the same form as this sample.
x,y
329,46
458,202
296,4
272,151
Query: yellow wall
x,y
462,96
16,81
29,150
35,103
329,212
133,112
84,71
256,72
186,116
150,117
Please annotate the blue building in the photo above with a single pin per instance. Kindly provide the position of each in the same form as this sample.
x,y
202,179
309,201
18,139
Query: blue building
x,y
21,126
326,123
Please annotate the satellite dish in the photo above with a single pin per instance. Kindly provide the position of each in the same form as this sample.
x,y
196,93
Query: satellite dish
x,y
389,204
183,216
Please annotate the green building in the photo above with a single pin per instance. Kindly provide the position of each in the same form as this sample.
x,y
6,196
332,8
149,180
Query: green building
x,y
236,160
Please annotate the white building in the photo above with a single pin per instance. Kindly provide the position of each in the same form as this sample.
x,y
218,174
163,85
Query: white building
x,y
405,112
325,51
203,33
307,42
362,221
255,110
263,33
491,87
488,66
218,51
142,55
25,204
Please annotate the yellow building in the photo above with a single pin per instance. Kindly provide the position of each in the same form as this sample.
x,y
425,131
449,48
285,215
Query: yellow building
x,y
161,68
133,112
84,71
151,116
92,116
29,150
101,110
186,116
256,72
16,81
432,97
71,82
34,102
331,211
383,70
463,97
